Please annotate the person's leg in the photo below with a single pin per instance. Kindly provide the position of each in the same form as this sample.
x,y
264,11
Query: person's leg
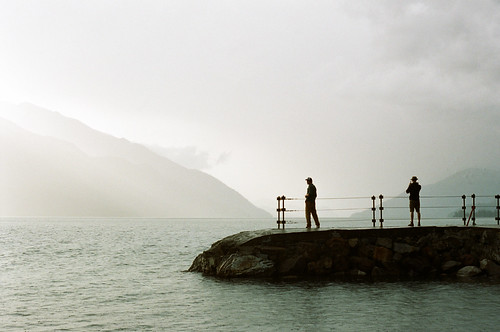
x,y
312,209
315,216
417,209
411,212
308,215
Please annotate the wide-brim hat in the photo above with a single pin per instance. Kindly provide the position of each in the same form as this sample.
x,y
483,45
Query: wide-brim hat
x,y
414,178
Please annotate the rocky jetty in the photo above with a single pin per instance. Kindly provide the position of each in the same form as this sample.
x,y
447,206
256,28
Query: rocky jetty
x,y
373,254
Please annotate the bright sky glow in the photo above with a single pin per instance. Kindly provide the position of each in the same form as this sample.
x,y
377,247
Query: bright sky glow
x,y
359,95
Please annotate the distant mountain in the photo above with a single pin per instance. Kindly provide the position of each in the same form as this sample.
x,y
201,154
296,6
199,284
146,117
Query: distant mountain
x,y
51,165
443,199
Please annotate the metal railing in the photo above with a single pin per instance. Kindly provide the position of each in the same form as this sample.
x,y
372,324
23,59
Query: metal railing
x,y
452,207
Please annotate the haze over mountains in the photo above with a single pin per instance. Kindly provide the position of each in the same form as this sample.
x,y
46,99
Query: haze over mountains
x,y
52,165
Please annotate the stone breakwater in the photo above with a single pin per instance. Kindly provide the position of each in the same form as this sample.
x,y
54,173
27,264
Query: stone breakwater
x,y
376,254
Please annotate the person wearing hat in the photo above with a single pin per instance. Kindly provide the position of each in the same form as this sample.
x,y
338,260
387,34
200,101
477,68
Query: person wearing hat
x,y
311,204
414,191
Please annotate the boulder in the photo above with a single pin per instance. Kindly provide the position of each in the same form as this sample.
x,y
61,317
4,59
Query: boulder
x,y
357,273
428,251
237,265
382,254
468,271
338,246
491,268
362,263
353,242
321,267
450,265
293,265
404,248
384,242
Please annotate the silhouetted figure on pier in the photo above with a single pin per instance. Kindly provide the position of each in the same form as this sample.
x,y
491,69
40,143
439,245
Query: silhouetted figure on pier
x,y
414,191
311,204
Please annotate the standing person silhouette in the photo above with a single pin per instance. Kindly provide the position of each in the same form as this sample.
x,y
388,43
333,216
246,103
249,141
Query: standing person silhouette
x,y
311,203
414,191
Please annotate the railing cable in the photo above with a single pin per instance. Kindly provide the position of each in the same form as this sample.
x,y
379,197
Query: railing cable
x,y
378,204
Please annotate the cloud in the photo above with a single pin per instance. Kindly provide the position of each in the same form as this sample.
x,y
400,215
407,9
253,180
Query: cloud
x,y
191,157
438,50
223,158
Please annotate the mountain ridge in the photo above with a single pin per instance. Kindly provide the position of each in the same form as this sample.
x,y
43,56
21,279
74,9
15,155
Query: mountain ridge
x,y
61,167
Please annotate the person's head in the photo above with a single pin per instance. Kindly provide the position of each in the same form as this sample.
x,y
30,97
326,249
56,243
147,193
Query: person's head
x,y
414,179
309,180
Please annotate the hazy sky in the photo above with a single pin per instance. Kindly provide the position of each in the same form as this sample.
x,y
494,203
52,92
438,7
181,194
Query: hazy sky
x,y
359,95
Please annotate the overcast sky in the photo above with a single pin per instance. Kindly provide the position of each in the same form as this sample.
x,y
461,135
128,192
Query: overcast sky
x,y
359,95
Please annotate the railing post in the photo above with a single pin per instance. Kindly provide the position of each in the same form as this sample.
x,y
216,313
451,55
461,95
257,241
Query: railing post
x,y
381,208
283,211
464,207
373,211
498,209
473,209
279,211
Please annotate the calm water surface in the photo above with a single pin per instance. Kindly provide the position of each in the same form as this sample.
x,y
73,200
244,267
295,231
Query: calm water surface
x,y
129,275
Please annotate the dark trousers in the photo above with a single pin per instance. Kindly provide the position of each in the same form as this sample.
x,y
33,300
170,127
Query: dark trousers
x,y
311,209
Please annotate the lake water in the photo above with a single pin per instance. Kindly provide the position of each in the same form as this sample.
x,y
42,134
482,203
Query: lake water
x,y
129,275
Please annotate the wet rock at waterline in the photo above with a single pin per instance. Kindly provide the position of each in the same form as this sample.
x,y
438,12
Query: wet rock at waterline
x,y
379,254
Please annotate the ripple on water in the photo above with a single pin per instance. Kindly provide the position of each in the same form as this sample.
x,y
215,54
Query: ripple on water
x,y
102,274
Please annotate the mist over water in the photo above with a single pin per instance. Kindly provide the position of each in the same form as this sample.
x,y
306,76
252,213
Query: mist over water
x,y
129,274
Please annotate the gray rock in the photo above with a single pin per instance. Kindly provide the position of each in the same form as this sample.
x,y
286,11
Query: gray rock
x,y
449,265
468,271
490,267
483,264
382,254
384,242
357,273
404,248
237,265
292,264
353,242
